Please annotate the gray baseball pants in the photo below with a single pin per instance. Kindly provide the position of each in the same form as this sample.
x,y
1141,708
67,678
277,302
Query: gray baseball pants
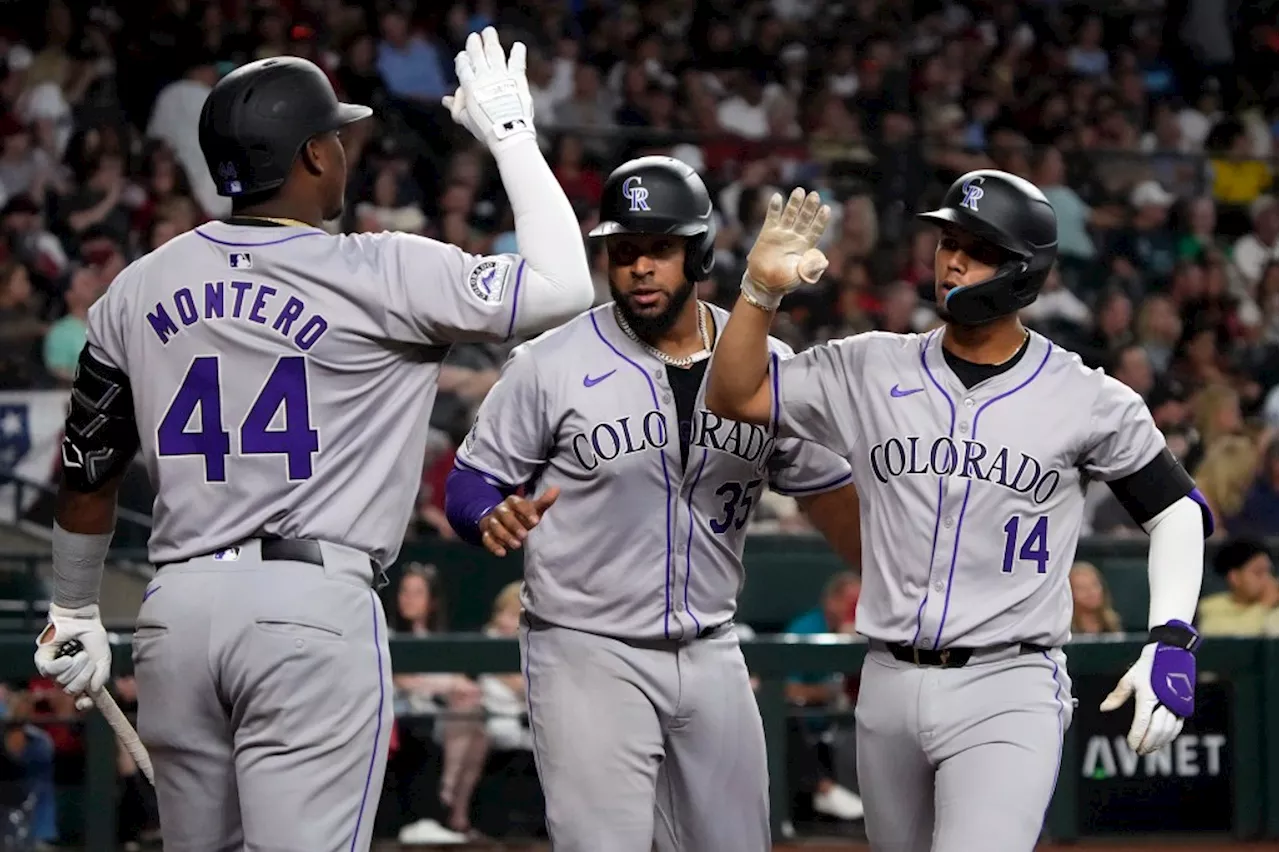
x,y
264,697
644,743
961,759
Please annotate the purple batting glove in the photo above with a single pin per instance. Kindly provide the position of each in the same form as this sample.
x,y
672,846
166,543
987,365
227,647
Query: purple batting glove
x,y
1173,676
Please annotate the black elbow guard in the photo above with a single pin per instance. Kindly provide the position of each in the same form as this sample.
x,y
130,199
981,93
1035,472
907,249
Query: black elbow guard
x,y
1154,488
101,435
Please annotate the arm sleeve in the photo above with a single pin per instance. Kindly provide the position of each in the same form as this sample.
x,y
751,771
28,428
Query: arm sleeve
x,y
1175,562
511,437
812,395
1122,437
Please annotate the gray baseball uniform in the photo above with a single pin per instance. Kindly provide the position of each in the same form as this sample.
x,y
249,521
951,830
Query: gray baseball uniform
x,y
631,582
282,384
972,500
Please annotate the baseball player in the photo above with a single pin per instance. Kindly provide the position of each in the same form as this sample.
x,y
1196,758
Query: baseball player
x,y
278,381
633,528
970,448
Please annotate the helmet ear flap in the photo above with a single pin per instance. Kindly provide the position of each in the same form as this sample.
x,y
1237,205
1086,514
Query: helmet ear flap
x,y
700,255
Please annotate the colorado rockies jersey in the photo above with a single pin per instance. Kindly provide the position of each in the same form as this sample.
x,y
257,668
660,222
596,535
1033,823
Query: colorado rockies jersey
x,y
971,498
283,377
639,545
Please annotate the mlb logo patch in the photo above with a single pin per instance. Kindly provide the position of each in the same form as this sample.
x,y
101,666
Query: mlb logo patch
x,y
488,279
231,554
240,260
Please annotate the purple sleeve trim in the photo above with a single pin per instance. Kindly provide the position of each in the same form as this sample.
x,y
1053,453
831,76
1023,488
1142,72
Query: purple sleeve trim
x,y
515,299
468,497
1205,512
806,490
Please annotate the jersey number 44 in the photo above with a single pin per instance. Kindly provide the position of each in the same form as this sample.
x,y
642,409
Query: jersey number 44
x,y
201,389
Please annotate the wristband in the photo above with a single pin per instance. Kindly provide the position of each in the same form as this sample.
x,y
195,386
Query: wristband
x,y
758,296
1176,634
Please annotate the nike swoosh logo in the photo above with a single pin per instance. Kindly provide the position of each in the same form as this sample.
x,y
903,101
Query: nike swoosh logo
x,y
150,592
588,382
898,393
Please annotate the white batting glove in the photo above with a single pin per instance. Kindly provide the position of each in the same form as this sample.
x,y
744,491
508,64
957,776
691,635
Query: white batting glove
x,y
492,100
785,253
85,671
1154,724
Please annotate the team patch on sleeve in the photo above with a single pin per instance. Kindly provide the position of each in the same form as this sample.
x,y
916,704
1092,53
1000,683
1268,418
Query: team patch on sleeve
x,y
487,280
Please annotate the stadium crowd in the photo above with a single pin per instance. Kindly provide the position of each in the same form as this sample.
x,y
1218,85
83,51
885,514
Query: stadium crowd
x,y
1152,129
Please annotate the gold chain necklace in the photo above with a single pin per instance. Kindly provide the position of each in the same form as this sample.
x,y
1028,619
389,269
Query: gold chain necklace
x,y
683,361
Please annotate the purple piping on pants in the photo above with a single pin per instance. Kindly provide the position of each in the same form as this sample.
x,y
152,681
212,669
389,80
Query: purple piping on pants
x,y
377,732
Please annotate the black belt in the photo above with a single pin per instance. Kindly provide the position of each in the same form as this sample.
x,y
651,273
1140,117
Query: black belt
x,y
949,658
535,622
275,550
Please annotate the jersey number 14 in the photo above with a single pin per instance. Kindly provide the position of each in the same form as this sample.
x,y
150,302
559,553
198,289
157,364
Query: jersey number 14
x,y
202,389
1035,547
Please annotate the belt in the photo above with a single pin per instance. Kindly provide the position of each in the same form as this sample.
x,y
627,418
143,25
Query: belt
x,y
952,658
537,622
274,550
306,551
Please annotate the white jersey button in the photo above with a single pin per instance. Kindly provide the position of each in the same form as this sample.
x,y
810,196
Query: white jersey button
x,y
964,428
968,403
679,606
939,586
947,523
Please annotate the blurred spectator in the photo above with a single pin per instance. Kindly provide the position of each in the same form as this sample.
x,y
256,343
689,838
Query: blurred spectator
x,y
1224,477
1259,515
410,64
1199,233
504,695
66,336
1252,252
1130,365
1248,606
21,329
1159,329
457,701
1146,251
28,771
834,614
1091,610
175,120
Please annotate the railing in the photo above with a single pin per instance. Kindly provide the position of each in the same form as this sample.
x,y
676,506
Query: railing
x,y
1248,667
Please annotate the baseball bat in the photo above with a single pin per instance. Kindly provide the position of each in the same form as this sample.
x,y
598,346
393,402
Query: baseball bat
x,y
115,717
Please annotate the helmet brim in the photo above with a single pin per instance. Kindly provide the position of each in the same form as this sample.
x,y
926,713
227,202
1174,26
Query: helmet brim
x,y
976,226
679,229
349,114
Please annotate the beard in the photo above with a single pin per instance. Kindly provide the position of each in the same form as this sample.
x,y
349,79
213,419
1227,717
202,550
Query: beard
x,y
649,327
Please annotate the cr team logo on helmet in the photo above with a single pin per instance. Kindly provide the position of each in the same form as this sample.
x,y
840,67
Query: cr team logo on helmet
x,y
972,193
635,193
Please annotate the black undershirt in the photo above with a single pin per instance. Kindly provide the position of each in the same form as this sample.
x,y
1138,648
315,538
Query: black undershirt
x,y
971,374
685,384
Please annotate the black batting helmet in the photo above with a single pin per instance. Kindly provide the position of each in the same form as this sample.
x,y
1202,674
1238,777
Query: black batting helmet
x,y
258,117
1012,214
661,195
